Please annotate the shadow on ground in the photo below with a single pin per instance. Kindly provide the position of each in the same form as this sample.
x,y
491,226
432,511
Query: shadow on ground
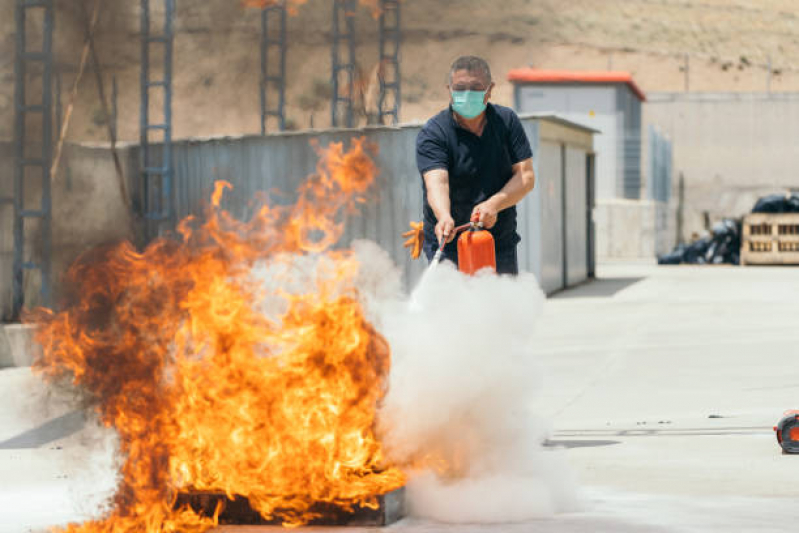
x,y
52,430
579,443
598,288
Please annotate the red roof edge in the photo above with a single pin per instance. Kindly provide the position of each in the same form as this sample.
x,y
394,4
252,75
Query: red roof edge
x,y
531,75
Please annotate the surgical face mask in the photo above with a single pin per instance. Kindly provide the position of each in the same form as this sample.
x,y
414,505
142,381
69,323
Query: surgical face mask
x,y
468,104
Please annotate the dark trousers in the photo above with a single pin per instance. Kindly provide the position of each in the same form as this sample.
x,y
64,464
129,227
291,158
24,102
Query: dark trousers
x,y
507,259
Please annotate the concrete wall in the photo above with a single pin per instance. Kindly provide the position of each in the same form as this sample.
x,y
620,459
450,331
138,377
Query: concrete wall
x,y
729,148
87,210
633,229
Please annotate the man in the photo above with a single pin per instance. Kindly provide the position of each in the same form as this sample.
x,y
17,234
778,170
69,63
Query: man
x,y
475,160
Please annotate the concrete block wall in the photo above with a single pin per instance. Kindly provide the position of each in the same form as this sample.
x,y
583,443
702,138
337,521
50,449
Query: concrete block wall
x,y
17,346
633,229
87,210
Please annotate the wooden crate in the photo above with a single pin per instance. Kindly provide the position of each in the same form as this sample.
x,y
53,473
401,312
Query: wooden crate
x,y
770,239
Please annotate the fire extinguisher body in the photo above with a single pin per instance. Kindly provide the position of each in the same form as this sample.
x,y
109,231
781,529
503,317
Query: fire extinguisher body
x,y
476,251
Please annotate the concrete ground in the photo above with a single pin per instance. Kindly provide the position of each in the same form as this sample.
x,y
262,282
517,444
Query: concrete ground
x,y
663,384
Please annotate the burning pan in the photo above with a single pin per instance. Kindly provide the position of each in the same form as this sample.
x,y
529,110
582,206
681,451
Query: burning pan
x,y
391,508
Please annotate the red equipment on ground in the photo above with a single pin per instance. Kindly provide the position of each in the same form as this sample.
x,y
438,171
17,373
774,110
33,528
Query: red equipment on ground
x,y
788,432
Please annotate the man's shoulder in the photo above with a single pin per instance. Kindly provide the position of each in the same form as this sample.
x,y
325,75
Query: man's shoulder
x,y
506,114
437,124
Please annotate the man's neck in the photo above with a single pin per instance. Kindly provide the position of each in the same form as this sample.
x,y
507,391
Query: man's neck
x,y
474,125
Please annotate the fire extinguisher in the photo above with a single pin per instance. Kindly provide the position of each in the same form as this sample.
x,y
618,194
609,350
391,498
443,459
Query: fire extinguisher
x,y
475,248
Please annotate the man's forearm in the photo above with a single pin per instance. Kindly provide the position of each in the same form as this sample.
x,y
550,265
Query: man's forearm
x,y
437,184
516,189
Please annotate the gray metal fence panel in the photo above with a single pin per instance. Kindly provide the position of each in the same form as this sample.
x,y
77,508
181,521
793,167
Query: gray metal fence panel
x,y
529,211
277,164
576,223
551,216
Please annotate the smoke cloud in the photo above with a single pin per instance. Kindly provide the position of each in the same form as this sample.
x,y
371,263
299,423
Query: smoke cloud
x,y
461,387
457,415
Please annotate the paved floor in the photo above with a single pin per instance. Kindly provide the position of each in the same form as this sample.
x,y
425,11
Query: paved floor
x,y
663,384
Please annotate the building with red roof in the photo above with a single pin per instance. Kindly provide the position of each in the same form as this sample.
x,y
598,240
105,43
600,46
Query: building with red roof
x,y
609,102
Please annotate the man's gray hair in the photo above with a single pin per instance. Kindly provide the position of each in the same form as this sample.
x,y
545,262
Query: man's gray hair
x,y
471,64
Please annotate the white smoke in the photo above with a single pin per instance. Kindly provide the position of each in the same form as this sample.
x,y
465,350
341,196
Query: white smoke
x,y
461,388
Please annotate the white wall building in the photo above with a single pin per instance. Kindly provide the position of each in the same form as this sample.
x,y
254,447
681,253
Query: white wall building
x,y
627,226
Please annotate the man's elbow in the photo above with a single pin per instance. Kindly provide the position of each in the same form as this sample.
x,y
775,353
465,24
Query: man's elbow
x,y
529,183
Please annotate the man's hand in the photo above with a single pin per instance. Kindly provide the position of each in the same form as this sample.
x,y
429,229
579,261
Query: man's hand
x,y
486,213
444,229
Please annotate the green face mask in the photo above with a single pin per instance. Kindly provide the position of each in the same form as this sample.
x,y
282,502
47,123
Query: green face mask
x,y
468,104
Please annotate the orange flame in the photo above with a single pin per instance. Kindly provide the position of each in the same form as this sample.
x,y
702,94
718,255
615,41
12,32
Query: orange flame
x,y
218,378
292,5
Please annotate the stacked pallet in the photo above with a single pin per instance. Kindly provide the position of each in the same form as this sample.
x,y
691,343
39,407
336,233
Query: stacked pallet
x,y
770,239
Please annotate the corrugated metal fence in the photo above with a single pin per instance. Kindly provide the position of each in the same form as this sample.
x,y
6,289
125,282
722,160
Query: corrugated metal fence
x,y
278,163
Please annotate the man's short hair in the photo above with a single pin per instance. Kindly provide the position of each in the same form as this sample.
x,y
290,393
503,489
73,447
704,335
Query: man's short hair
x,y
471,64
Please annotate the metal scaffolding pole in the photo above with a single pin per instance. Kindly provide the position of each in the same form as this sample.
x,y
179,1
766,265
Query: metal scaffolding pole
x,y
33,149
343,63
273,77
389,71
157,199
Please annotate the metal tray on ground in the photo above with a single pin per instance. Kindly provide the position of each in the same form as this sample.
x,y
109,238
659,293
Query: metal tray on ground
x,y
237,511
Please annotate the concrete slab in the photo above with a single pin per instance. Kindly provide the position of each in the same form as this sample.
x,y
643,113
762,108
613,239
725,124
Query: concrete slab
x,y
22,349
662,384
6,360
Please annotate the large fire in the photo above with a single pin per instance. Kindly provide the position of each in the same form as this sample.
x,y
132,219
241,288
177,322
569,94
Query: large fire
x,y
220,371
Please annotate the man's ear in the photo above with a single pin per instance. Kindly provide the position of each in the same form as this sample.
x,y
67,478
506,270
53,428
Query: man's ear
x,y
488,92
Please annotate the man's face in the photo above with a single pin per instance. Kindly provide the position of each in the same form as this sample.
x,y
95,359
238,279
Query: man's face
x,y
463,80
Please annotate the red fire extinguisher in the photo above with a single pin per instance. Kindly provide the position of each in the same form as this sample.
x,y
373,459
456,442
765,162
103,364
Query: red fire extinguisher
x,y
476,249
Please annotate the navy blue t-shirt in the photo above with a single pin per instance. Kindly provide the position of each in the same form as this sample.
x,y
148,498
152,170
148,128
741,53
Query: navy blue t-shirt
x,y
478,167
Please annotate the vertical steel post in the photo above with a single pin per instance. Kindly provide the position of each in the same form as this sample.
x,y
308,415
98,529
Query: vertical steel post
x,y
47,154
168,201
114,106
58,107
20,76
157,193
389,68
264,67
22,58
343,15
270,80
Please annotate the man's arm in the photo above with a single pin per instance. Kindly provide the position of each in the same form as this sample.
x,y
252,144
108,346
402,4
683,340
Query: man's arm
x,y
437,183
521,183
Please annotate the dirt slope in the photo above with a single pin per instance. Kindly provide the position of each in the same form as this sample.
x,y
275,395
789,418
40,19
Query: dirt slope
x,y
217,57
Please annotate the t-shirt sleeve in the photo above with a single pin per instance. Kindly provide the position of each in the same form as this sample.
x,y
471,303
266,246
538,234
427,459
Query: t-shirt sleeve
x,y
431,151
518,144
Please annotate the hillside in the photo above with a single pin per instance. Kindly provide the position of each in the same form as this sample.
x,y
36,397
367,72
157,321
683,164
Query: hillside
x,y
217,57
